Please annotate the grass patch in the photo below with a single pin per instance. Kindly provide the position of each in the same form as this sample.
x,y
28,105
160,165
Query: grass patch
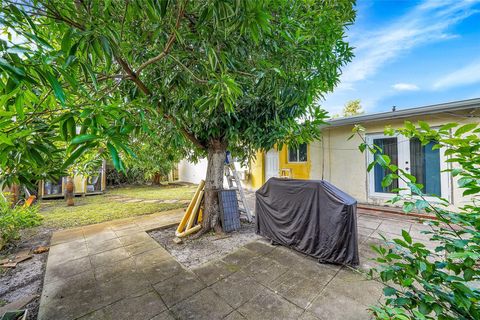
x,y
100,208
155,192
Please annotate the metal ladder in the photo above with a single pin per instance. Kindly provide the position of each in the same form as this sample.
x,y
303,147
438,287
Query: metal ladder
x,y
234,184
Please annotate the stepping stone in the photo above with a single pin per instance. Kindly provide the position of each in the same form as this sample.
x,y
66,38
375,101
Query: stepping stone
x,y
134,200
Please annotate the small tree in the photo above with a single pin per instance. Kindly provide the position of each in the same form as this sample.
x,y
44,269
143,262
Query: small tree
x,y
439,283
219,74
352,108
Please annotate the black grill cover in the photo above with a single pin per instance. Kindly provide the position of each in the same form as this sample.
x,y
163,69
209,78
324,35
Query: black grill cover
x,y
313,217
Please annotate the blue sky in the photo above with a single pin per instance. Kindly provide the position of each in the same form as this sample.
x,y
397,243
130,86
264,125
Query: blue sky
x,y
411,53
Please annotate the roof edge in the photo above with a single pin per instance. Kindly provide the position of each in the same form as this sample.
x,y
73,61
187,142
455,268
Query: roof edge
x,y
423,110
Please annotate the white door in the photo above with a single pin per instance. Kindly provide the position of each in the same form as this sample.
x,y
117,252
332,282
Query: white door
x,y
271,164
424,162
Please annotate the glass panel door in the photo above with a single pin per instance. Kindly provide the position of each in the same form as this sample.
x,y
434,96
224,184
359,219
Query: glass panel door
x,y
94,182
425,166
51,188
389,147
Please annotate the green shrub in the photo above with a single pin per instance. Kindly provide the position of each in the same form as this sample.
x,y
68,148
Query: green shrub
x,y
12,220
443,282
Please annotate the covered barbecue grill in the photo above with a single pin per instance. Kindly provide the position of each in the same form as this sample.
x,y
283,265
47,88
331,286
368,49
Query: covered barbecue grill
x,y
313,217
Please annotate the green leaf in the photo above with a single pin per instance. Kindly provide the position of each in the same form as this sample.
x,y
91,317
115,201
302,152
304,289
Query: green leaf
x,y
424,125
107,50
4,64
383,160
424,308
421,204
406,236
19,105
82,138
362,147
387,180
115,157
468,274
465,128
57,88
72,129
408,207
448,126
74,156
66,42
5,140
371,166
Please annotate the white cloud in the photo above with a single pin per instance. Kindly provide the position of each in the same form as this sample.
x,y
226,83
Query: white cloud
x,y
469,74
405,87
426,23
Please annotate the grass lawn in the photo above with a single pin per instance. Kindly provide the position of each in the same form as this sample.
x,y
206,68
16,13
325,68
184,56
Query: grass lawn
x,y
156,192
100,208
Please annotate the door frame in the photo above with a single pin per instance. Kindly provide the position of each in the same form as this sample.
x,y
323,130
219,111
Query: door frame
x,y
403,147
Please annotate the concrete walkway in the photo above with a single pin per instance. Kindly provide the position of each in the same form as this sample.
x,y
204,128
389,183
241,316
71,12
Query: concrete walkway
x,y
117,271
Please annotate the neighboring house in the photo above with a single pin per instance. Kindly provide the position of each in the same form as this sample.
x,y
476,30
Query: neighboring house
x,y
93,184
192,172
338,160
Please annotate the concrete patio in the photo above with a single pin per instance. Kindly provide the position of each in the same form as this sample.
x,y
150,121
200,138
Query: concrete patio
x,y
116,271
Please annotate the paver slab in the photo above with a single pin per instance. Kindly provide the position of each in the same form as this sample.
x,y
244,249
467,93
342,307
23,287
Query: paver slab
x,y
179,287
205,305
115,270
268,305
144,305
238,288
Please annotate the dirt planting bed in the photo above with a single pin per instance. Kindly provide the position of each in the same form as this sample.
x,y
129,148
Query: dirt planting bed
x,y
193,252
27,277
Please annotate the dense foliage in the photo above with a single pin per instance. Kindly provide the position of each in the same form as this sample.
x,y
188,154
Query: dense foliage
x,y
440,282
13,219
214,74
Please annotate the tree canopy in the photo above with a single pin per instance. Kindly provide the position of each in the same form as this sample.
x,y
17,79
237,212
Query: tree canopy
x,y
83,75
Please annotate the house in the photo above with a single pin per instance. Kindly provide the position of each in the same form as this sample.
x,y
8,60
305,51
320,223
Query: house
x,y
338,160
93,184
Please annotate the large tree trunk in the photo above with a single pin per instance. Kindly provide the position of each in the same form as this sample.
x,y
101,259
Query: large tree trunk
x,y
213,183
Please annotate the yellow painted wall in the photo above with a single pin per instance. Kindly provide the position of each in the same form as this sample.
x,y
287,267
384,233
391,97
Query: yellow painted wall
x,y
300,170
257,177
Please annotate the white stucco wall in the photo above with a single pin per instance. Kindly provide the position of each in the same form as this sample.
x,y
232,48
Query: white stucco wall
x,y
192,172
341,163
316,160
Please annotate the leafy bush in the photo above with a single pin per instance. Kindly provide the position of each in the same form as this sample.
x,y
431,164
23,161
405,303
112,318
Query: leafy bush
x,y
13,219
443,282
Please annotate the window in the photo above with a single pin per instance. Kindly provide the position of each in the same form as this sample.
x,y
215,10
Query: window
x,y
297,154
389,148
425,166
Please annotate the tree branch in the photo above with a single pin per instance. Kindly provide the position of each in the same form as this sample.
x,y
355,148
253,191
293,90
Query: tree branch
x,y
189,71
133,76
168,46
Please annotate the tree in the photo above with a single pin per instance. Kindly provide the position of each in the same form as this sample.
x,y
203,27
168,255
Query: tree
x,y
241,75
433,283
156,153
352,108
